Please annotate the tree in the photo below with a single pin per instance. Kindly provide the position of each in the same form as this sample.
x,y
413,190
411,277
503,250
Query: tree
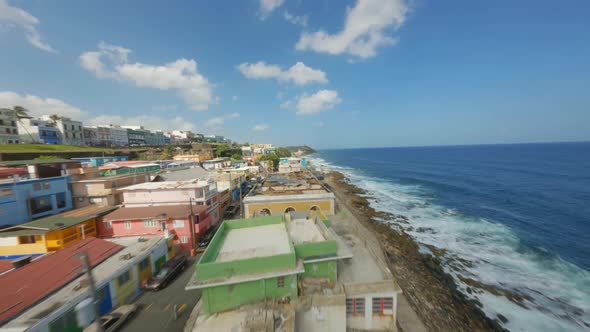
x,y
272,158
22,113
54,118
236,156
168,152
283,152
221,150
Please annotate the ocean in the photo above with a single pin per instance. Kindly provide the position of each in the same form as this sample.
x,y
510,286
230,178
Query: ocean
x,y
519,214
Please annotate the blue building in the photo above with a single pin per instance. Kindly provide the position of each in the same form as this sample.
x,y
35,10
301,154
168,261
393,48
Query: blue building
x,y
49,135
24,199
99,161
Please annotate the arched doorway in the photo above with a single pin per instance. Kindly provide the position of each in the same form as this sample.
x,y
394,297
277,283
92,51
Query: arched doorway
x,y
265,212
314,208
289,209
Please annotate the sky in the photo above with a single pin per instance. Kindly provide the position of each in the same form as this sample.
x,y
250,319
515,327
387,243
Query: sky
x,y
326,73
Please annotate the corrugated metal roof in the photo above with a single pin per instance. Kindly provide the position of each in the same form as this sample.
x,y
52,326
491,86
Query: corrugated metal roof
x,y
185,174
28,285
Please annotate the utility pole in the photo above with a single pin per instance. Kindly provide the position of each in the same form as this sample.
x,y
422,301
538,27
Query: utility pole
x,y
241,205
192,222
86,266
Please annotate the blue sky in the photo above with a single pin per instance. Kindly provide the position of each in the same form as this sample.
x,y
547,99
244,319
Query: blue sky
x,y
323,73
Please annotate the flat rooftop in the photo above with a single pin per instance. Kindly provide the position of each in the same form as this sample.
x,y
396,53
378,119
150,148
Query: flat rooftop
x,y
260,241
304,231
290,184
74,291
167,185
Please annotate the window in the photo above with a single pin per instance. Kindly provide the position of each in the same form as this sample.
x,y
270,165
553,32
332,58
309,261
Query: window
x,y
144,264
107,225
184,239
1,122
178,223
46,185
123,278
355,307
14,131
382,305
8,130
66,134
150,223
13,123
280,282
36,186
74,135
127,224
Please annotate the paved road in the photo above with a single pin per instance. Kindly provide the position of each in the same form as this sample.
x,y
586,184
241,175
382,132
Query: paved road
x,y
156,311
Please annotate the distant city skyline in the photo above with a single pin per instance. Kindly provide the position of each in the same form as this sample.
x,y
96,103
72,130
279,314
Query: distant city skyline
x,y
328,74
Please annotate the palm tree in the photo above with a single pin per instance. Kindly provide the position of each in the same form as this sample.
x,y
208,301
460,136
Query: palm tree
x,y
23,113
54,118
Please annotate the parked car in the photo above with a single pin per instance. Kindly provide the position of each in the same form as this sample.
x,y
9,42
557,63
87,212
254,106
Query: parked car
x,y
168,271
113,320
204,241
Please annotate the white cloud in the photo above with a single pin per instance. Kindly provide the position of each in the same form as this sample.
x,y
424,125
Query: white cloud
x,y
296,20
365,30
38,106
317,102
299,73
268,6
150,122
220,120
260,127
16,17
111,61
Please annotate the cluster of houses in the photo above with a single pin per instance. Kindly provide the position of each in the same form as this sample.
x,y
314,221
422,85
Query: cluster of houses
x,y
52,129
291,263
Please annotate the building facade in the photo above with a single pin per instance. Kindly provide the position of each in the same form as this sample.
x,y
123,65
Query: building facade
x,y
48,234
71,132
169,220
90,136
103,190
8,127
119,136
198,192
136,135
38,131
24,199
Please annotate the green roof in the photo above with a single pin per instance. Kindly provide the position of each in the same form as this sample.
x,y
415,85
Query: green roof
x,y
36,162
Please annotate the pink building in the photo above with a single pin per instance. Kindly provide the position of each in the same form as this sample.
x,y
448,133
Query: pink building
x,y
157,220
196,192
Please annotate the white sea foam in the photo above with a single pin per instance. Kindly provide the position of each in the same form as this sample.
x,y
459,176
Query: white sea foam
x,y
556,293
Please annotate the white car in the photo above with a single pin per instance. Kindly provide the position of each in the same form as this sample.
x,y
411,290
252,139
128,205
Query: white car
x,y
114,319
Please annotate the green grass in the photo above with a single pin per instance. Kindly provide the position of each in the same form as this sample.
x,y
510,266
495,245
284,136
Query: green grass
x,y
33,148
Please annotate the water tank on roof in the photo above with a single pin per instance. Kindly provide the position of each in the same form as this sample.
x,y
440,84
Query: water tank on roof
x,y
85,312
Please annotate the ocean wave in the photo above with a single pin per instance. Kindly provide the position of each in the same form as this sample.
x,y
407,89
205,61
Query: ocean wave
x,y
534,289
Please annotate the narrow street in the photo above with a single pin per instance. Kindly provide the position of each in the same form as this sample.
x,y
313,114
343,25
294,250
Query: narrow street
x,y
156,312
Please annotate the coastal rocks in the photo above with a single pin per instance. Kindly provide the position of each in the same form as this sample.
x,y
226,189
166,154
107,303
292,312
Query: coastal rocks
x,y
432,293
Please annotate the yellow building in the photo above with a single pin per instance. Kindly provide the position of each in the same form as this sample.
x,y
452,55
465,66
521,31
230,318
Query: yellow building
x,y
48,234
205,155
289,192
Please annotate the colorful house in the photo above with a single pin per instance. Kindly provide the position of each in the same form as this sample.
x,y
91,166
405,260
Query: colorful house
x,y
24,199
173,220
117,169
42,304
48,234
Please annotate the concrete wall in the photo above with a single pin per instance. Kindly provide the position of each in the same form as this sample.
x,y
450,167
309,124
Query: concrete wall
x,y
327,269
227,297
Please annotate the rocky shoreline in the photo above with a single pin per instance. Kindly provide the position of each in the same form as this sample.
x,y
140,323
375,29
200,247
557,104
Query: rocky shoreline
x,y
431,292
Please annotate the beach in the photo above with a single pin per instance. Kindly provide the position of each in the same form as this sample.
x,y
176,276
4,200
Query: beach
x,y
430,292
